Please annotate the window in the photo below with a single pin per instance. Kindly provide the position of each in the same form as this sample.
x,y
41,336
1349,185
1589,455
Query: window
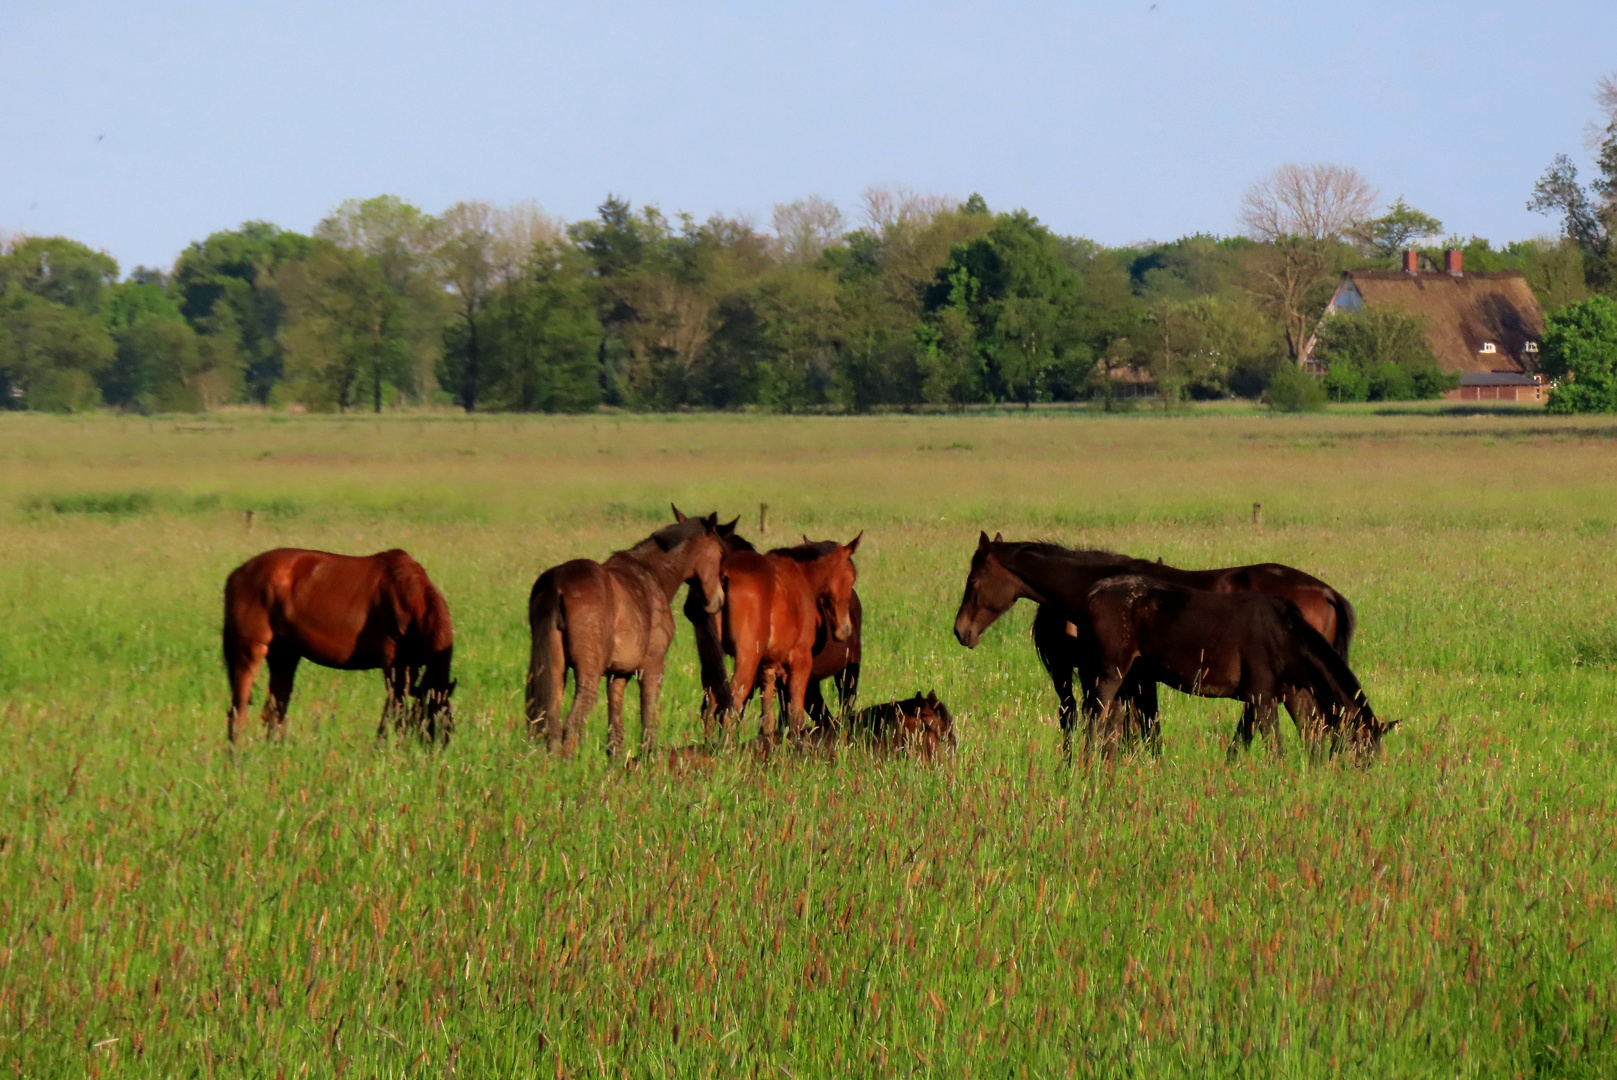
x,y
1489,347
1531,346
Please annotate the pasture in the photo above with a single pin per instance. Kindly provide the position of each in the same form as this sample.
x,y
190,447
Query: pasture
x,y
324,907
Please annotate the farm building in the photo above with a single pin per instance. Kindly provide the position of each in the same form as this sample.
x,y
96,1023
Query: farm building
x,y
1484,327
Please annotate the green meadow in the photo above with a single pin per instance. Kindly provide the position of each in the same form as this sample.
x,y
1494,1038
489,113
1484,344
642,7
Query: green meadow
x,y
325,906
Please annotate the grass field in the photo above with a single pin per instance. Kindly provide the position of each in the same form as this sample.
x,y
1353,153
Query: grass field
x,y
327,907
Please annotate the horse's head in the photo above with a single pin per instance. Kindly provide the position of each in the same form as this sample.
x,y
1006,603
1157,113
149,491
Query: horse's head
x,y
990,591
939,721
432,690
707,555
925,723
837,597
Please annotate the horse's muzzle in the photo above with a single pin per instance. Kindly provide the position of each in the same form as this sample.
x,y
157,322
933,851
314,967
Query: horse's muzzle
x,y
844,630
966,634
715,602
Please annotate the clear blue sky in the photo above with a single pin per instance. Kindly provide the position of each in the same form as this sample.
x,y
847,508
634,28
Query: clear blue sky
x,y
138,127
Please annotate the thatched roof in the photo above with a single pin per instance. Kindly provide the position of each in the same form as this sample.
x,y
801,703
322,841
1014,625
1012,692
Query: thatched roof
x,y
1463,312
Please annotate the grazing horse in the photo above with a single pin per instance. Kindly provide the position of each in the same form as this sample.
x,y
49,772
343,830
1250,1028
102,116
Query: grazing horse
x,y
351,612
834,660
612,620
773,604
1255,648
1058,579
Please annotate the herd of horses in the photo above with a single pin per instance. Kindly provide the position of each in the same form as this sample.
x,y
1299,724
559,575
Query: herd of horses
x,y
781,622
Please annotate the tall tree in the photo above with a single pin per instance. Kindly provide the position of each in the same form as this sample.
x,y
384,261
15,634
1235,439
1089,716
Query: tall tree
x,y
403,240
344,338
1397,229
221,285
1301,214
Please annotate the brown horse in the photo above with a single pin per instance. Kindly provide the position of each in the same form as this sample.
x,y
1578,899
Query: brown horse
x,y
1255,648
922,725
612,620
1058,579
772,607
838,661
355,613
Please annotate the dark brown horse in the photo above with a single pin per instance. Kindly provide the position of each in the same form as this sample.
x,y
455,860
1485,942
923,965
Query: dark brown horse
x,y
835,660
920,725
1255,648
351,612
1058,579
772,610
612,620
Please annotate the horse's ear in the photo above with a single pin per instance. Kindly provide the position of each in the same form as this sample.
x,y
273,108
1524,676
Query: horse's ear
x,y
853,545
982,541
1159,560
806,540
677,515
711,523
999,538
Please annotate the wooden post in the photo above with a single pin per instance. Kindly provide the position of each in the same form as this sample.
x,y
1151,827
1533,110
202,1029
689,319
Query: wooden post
x,y
247,516
763,517
1257,515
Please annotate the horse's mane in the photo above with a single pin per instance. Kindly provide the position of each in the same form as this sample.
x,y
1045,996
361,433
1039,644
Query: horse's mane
x,y
415,589
808,550
1047,550
670,537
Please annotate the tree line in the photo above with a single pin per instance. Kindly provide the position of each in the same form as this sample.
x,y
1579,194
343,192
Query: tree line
x,y
919,300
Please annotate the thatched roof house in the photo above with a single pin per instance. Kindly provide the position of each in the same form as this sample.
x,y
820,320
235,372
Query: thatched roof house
x,y
1485,327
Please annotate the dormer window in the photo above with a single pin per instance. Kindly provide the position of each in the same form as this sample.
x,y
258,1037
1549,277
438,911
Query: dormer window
x,y
1489,347
1531,346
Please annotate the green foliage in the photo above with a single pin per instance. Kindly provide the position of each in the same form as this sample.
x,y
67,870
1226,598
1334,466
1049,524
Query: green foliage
x,y
222,284
1399,228
343,336
62,271
1580,350
1293,390
50,354
1379,355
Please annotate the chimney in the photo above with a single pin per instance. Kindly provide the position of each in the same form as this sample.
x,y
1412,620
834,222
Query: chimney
x,y
1411,262
1452,262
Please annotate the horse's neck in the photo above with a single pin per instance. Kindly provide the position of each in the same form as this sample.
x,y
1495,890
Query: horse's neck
x,y
670,568
1050,578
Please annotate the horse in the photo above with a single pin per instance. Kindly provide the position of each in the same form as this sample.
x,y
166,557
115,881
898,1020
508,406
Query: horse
x,y
1058,579
838,661
772,609
1256,648
613,620
921,724
351,612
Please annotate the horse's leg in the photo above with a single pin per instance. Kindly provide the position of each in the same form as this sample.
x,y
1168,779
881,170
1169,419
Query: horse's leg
x,y
814,704
847,684
243,660
1143,710
1100,703
740,690
1244,727
283,668
1268,719
798,678
651,685
1311,723
767,695
586,688
615,686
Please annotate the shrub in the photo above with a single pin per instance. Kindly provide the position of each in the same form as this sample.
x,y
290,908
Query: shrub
x,y
1294,390
1580,350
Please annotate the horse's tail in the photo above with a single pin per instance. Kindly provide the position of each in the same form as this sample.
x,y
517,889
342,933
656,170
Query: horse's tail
x,y
547,662
1346,623
1333,680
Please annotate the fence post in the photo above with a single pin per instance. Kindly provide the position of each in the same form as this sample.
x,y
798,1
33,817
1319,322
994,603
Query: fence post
x,y
247,516
1257,515
763,517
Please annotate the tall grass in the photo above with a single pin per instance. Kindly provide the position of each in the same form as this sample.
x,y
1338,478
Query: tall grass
x,y
326,906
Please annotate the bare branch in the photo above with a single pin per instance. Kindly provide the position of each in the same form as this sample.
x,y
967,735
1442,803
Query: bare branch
x,y
1316,202
806,227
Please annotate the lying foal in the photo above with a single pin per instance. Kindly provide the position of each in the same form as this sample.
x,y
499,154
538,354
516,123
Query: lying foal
x,y
919,725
